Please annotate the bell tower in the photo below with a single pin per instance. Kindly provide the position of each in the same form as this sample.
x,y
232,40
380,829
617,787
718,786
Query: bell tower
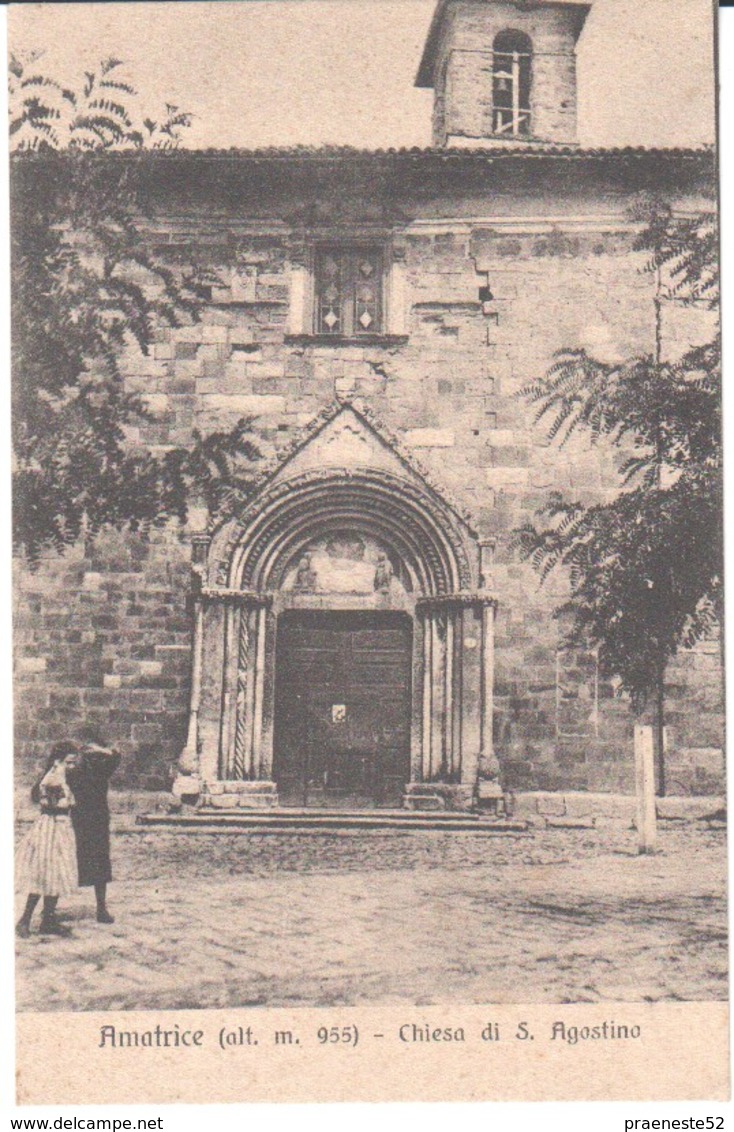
x,y
503,72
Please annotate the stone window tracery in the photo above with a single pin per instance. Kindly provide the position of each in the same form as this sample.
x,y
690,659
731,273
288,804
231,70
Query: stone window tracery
x,y
348,291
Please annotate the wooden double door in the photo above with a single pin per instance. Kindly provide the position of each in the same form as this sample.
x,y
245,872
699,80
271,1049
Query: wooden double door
x,y
342,708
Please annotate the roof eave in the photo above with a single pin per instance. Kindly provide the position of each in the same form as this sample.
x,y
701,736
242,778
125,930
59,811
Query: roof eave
x,y
443,155
424,78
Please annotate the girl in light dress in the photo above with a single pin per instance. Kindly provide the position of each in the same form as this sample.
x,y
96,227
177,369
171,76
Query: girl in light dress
x,y
47,865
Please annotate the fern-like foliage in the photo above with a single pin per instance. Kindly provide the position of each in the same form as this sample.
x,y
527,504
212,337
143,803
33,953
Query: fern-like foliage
x,y
663,415
219,469
87,287
36,104
99,112
644,569
645,574
684,250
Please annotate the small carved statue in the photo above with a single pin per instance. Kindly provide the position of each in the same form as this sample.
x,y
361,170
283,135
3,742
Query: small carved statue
x,y
305,580
383,573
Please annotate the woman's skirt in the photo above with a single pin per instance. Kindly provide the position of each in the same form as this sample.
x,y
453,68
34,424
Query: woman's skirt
x,y
92,830
46,858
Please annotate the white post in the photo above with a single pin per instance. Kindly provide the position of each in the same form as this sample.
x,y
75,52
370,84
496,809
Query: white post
x,y
645,789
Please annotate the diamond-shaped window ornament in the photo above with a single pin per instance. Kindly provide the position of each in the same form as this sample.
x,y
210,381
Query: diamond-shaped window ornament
x,y
331,293
330,268
331,320
365,319
366,268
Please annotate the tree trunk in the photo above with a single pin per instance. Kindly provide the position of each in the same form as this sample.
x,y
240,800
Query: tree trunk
x,y
720,616
660,683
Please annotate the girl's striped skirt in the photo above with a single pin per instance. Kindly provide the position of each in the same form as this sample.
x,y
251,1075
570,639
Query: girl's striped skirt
x,y
46,858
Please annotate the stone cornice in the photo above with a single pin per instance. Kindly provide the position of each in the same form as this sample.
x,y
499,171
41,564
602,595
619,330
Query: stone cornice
x,y
250,598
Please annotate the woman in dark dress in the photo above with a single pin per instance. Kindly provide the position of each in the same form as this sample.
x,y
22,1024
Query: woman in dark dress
x,y
89,781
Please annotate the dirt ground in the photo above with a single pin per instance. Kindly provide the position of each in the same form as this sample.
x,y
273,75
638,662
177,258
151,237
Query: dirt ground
x,y
219,920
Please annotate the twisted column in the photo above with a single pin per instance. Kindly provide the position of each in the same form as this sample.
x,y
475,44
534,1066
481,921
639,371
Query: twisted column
x,y
243,716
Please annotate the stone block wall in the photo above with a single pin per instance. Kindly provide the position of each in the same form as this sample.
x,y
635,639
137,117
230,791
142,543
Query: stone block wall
x,y
104,636
103,639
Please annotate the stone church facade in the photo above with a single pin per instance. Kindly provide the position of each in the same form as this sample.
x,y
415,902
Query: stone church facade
x,y
362,631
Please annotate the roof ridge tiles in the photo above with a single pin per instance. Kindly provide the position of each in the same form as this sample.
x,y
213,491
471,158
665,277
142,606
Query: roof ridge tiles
x,y
448,153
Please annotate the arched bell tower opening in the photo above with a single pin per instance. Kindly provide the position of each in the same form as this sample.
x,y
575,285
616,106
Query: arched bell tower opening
x,y
344,638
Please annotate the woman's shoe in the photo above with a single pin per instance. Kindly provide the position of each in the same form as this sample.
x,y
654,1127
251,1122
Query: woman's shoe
x,y
103,916
22,929
53,927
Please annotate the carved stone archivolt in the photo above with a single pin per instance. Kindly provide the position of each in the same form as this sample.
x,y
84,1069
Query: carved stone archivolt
x,y
283,520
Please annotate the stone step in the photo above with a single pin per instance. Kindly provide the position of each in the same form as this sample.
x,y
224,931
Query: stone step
x,y
417,803
371,812
238,786
296,813
329,822
242,801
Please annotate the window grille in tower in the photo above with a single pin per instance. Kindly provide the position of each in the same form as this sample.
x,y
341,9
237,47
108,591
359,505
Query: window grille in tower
x,y
511,82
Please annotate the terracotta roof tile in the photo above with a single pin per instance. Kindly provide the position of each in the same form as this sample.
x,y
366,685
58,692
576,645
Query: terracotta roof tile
x,y
417,153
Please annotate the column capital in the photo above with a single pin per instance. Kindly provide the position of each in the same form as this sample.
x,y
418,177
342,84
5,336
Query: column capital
x,y
487,549
449,603
200,541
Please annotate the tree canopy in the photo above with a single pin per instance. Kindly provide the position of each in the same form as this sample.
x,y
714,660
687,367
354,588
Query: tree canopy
x,y
645,568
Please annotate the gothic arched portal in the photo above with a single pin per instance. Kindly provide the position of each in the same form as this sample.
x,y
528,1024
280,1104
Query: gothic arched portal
x,y
344,643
